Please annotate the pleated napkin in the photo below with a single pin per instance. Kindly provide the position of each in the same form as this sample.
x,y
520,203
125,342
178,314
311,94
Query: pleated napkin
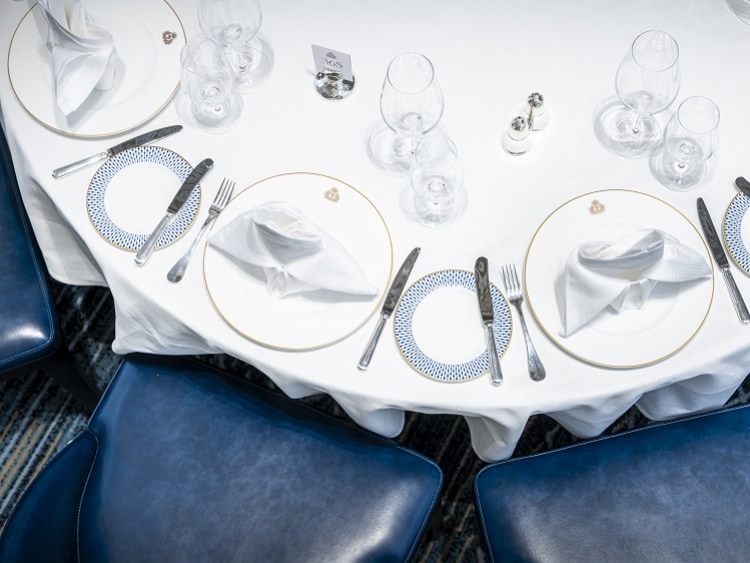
x,y
622,275
295,254
83,55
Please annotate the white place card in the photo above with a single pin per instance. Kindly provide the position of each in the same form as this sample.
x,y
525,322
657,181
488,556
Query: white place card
x,y
328,61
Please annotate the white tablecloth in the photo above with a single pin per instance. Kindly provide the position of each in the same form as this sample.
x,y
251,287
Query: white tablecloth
x,y
488,56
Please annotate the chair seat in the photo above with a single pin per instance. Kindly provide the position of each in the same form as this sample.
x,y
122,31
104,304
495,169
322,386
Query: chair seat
x,y
191,464
669,492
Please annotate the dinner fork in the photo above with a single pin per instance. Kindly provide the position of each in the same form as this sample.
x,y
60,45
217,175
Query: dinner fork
x,y
514,294
220,201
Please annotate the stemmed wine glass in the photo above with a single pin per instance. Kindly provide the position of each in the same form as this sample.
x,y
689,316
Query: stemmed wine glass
x,y
235,24
689,142
647,82
208,82
411,104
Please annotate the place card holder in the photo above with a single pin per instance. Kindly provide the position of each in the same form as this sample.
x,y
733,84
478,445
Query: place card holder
x,y
334,79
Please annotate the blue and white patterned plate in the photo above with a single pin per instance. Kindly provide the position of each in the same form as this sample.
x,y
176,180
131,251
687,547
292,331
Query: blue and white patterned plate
x,y
440,369
177,169
733,231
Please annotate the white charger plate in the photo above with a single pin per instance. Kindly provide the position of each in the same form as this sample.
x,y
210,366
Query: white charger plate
x,y
129,194
737,231
305,320
632,338
438,326
147,74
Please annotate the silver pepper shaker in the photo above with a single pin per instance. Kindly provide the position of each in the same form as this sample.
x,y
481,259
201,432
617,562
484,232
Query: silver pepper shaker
x,y
516,139
537,112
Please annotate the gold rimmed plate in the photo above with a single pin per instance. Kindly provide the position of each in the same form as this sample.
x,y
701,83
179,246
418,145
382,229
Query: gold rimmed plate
x,y
148,38
631,338
438,328
129,193
310,319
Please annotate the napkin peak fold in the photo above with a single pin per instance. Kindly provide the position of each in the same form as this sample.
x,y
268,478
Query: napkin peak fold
x,y
83,54
622,275
294,253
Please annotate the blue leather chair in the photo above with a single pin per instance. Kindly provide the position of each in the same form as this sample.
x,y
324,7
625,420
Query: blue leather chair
x,y
668,492
30,336
182,462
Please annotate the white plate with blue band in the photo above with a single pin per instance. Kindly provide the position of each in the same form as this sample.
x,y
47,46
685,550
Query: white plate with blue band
x,y
130,192
733,229
438,326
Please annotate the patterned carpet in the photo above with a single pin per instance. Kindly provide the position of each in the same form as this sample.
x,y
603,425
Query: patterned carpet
x,y
37,418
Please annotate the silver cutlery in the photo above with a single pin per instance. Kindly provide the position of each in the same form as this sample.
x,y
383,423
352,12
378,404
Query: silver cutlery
x,y
481,273
391,299
220,202
142,139
174,206
714,243
743,185
514,293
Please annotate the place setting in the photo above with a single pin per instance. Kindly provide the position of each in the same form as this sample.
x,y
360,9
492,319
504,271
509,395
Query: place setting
x,y
298,261
619,279
108,68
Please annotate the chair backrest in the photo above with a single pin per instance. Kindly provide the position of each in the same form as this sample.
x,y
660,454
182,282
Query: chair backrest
x,y
28,317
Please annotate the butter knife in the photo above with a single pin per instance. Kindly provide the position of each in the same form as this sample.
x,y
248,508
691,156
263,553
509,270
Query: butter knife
x,y
714,243
142,139
391,299
481,273
743,185
179,199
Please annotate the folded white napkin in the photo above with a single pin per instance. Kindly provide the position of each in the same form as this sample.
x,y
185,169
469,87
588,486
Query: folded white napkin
x,y
622,275
295,254
83,55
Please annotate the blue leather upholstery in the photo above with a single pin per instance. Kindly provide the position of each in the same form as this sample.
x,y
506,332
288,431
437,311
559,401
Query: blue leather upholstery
x,y
30,335
670,492
28,323
191,464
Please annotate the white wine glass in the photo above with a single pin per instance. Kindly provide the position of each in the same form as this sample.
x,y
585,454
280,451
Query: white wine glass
x,y
411,104
690,139
208,82
230,22
647,82
235,24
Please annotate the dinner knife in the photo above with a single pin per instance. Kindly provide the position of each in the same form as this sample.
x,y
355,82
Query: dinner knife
x,y
481,273
142,139
714,243
391,299
177,201
743,185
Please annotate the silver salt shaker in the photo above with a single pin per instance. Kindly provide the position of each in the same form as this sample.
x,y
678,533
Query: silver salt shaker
x,y
537,112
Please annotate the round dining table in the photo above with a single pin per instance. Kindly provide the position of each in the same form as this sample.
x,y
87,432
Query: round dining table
x,y
290,141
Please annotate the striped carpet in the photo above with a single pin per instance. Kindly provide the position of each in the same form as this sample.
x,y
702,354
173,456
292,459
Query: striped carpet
x,y
37,418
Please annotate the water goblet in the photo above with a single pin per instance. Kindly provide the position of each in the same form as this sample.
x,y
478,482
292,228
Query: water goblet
x,y
646,82
690,139
437,196
411,104
208,82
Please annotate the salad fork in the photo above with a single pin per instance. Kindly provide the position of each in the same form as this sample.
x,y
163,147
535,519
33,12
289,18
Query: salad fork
x,y
220,201
515,296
